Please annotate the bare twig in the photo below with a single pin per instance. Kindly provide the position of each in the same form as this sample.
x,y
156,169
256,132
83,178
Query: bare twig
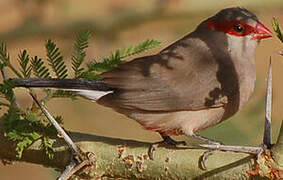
x,y
78,158
68,171
268,109
76,166
74,148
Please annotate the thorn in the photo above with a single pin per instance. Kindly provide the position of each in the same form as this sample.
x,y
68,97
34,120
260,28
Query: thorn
x,y
268,109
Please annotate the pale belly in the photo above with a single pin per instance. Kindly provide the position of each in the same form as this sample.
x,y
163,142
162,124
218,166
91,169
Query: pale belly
x,y
180,122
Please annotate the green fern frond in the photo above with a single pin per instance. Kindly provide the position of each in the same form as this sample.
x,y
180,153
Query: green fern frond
x,y
6,89
106,64
63,94
56,60
24,60
5,59
38,68
116,58
277,29
4,55
79,53
141,47
47,146
25,127
90,75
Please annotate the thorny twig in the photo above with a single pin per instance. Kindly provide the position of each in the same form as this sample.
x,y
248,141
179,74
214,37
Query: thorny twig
x,y
74,148
77,162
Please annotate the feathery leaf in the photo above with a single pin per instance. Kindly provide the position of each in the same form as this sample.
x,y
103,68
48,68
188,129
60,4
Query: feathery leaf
x,y
277,29
56,60
24,60
141,47
39,69
26,127
63,94
79,53
7,90
47,146
116,58
4,55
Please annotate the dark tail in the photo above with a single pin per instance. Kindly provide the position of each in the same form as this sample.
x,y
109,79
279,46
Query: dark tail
x,y
62,84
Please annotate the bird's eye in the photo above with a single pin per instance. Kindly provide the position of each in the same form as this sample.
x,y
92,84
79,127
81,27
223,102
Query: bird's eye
x,y
239,28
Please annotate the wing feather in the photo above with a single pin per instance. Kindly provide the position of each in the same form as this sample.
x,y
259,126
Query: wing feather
x,y
166,82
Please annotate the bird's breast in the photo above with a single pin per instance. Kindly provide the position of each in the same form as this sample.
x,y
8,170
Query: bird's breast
x,y
246,77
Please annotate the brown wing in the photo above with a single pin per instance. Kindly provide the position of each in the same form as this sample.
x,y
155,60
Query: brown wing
x,y
168,81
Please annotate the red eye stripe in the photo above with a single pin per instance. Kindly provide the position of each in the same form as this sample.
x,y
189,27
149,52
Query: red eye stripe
x,y
228,27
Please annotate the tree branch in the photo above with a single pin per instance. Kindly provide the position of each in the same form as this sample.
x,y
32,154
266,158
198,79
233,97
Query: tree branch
x,y
128,159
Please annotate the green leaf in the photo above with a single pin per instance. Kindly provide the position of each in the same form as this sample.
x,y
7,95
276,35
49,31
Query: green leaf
x,y
79,53
116,58
25,127
21,146
106,64
277,29
4,56
63,94
47,146
141,47
56,60
38,68
90,75
5,59
24,60
7,90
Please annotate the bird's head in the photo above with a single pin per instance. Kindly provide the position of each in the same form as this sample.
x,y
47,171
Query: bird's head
x,y
238,22
236,30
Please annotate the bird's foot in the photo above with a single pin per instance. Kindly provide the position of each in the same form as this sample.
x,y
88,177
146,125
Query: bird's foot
x,y
220,147
167,142
204,157
208,153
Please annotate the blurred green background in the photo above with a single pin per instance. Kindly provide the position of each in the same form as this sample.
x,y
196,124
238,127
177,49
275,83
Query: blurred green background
x,y
27,24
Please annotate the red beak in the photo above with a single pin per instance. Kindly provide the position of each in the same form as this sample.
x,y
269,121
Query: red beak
x,y
261,32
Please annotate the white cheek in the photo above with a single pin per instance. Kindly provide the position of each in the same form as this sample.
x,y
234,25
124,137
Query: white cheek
x,y
241,47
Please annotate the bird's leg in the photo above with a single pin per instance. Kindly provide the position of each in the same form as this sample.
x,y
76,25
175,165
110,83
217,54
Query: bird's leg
x,y
209,141
167,141
213,146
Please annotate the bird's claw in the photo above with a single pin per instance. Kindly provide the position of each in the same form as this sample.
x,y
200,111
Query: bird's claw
x,y
167,142
204,157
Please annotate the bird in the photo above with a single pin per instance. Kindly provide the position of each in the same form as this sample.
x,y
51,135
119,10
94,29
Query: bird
x,y
195,83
